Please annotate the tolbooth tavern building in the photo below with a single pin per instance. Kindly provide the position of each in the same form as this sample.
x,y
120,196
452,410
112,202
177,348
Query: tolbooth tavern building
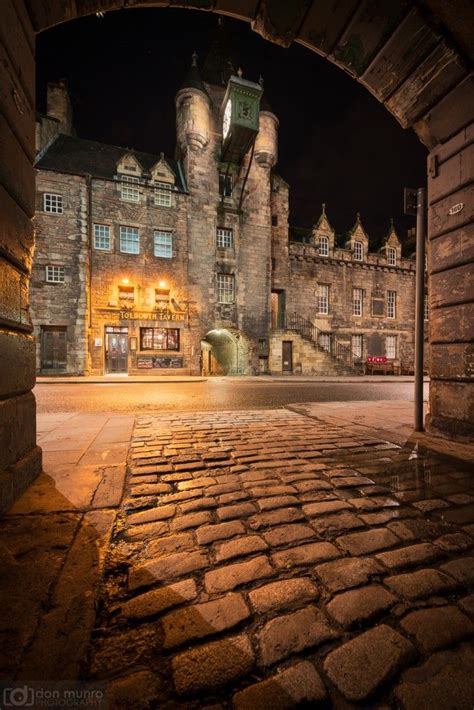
x,y
187,265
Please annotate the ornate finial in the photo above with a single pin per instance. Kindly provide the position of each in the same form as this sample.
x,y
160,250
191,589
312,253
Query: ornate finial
x,y
324,208
391,222
260,80
194,58
162,155
239,71
358,216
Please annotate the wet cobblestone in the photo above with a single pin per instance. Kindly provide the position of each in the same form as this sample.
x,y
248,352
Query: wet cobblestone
x,y
272,556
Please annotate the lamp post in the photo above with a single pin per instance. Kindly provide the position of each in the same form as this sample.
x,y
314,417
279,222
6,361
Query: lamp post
x,y
415,204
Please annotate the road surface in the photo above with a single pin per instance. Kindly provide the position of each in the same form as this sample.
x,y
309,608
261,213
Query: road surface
x,y
213,394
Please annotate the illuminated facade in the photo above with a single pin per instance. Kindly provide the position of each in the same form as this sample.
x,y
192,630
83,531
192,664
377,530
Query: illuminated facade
x,y
147,264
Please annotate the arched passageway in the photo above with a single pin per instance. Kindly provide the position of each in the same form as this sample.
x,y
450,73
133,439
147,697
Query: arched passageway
x,y
225,352
415,58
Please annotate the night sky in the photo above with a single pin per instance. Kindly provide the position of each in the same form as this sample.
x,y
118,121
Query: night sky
x,y
337,143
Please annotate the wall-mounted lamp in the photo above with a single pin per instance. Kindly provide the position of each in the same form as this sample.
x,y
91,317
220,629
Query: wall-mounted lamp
x,y
162,284
125,282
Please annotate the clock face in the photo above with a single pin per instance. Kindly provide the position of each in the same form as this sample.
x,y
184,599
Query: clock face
x,y
226,120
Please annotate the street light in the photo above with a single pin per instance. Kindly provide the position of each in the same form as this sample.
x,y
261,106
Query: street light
x,y
415,204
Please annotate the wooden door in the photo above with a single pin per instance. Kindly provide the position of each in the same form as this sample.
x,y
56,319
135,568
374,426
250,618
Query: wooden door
x,y
53,348
116,353
287,356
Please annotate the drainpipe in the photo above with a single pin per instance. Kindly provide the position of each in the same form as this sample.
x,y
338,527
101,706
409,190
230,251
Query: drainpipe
x,y
420,305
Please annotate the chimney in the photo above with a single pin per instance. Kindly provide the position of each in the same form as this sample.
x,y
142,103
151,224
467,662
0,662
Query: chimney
x,y
59,105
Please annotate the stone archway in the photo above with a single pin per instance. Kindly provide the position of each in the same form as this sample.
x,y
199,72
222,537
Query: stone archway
x,y
415,58
228,352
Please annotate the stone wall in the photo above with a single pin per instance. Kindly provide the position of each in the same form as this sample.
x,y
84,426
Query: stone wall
x,y
62,240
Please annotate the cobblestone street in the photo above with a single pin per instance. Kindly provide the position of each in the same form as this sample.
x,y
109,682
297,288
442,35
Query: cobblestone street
x,y
264,560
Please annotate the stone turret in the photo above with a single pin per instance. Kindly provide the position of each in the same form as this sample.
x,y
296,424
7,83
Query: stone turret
x,y
192,112
266,144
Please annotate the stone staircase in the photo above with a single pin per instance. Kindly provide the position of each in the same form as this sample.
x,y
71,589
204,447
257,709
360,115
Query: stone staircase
x,y
314,352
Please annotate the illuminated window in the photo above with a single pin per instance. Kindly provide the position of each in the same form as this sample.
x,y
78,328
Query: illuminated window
x,y
225,238
55,274
358,251
225,185
159,338
391,304
391,347
163,244
391,256
357,345
163,196
53,203
323,246
323,299
101,236
126,293
129,240
225,288
129,189
357,301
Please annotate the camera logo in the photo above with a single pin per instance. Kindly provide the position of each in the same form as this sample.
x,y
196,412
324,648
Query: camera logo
x,y
21,697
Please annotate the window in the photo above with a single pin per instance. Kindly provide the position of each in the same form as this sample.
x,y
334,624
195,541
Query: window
x,y
262,345
323,246
163,244
101,236
391,304
391,256
274,220
162,297
325,341
358,251
357,301
357,345
378,304
391,347
426,307
129,240
225,185
224,238
159,338
163,194
126,293
53,203
225,288
55,274
129,189
323,299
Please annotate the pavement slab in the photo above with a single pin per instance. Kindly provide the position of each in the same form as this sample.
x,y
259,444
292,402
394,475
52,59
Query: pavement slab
x,y
243,558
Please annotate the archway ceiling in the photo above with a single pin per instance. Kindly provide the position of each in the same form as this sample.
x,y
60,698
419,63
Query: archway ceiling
x,y
410,56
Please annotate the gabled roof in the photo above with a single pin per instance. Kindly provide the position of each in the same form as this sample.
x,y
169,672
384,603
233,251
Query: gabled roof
x,y
391,236
358,227
78,156
323,222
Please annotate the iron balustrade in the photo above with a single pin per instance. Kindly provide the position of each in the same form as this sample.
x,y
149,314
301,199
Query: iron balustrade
x,y
325,341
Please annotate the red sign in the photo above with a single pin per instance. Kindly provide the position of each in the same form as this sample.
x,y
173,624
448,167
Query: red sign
x,y
378,358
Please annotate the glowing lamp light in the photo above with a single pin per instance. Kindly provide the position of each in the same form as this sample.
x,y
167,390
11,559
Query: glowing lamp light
x,y
125,281
162,284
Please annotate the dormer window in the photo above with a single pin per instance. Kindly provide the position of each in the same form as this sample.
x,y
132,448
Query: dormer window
x,y
323,246
391,256
129,189
358,251
163,194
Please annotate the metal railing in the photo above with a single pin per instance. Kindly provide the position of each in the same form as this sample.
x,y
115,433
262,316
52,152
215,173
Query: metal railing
x,y
325,341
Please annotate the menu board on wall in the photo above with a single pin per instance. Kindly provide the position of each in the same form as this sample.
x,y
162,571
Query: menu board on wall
x,y
161,362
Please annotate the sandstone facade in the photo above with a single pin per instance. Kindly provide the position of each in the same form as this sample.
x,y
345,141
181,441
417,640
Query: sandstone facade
x,y
188,266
